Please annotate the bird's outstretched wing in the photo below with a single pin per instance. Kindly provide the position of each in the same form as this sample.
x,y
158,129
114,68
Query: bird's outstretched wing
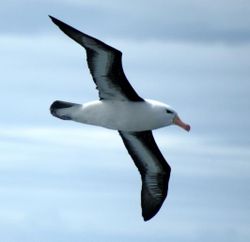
x,y
154,170
105,64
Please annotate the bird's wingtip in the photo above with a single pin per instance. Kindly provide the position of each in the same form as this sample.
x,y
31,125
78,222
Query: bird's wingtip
x,y
147,215
54,20
149,212
51,17
147,218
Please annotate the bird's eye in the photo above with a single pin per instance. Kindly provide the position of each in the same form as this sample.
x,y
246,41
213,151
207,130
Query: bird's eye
x,y
169,111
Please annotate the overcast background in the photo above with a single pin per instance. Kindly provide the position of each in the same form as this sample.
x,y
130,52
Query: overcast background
x,y
62,181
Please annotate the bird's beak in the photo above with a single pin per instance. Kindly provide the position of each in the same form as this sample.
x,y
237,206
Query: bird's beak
x,y
180,123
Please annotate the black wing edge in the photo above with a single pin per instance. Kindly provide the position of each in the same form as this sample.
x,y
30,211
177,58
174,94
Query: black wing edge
x,y
76,35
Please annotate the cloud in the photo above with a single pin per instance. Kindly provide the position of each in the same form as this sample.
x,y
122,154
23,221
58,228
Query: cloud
x,y
168,20
29,142
62,179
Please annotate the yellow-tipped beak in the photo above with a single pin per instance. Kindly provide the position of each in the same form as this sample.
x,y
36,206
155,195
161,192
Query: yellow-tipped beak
x,y
180,123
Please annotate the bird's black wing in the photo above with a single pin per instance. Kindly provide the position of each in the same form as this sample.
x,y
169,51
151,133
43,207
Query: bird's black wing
x,y
154,170
105,64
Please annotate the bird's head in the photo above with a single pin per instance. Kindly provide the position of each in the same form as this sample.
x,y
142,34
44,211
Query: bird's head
x,y
176,119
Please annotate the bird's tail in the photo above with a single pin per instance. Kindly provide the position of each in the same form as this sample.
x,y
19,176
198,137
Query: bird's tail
x,y
62,109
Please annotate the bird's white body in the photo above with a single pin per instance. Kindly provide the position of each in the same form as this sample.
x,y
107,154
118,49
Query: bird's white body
x,y
121,115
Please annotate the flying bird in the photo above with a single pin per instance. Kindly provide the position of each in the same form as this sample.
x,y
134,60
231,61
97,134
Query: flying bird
x,y
120,108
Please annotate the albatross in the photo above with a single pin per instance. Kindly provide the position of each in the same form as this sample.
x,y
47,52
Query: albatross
x,y
120,108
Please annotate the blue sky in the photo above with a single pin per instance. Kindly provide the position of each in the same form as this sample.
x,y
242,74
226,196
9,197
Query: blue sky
x,y
63,181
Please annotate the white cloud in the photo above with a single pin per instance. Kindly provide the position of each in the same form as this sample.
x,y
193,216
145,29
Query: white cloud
x,y
53,188
27,142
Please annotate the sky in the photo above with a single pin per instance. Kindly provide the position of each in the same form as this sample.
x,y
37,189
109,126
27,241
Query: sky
x,y
64,181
